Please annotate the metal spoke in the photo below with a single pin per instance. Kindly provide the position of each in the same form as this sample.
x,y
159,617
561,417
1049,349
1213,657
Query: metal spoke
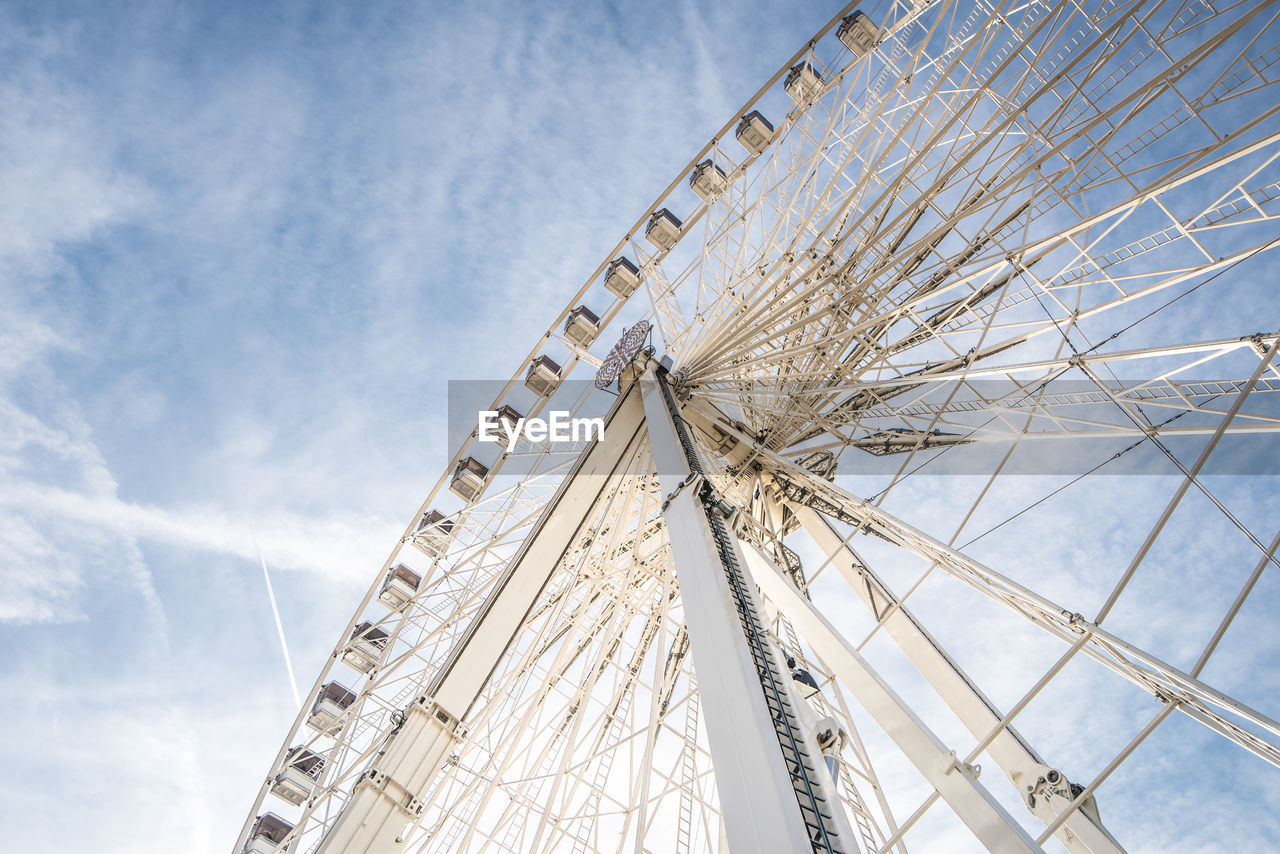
x,y
958,235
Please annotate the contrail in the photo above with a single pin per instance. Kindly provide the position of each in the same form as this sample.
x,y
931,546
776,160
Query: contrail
x,y
271,594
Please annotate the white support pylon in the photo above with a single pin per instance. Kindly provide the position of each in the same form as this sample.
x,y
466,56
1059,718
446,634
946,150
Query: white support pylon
x,y
771,794
1080,833
387,797
956,783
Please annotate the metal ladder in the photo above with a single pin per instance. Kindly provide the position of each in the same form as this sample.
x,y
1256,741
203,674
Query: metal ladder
x,y
816,811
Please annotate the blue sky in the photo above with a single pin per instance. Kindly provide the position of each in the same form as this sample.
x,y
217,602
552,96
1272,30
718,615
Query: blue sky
x,y
244,247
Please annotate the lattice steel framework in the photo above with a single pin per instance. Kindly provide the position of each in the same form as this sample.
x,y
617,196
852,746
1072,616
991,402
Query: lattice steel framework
x,y
983,230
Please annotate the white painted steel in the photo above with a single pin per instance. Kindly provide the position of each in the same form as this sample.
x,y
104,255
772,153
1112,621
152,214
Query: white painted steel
x,y
757,795
955,782
1003,222
979,715
388,796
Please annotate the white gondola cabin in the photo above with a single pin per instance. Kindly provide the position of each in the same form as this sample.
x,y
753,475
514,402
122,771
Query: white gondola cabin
x,y
708,180
509,416
366,648
622,277
400,586
754,132
858,33
663,229
469,478
582,327
803,83
432,535
543,376
297,780
509,419
332,701
269,830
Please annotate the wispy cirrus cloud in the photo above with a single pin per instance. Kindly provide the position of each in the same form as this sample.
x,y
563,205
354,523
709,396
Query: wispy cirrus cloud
x,y
241,252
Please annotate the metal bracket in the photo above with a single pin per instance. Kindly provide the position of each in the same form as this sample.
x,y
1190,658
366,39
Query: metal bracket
x,y
954,763
694,478
382,783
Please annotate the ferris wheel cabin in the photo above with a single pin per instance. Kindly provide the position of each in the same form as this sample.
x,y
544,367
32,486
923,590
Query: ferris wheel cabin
x,y
582,327
508,415
663,229
432,535
804,83
858,33
708,180
469,478
333,700
366,648
622,277
400,586
269,830
543,376
297,780
754,132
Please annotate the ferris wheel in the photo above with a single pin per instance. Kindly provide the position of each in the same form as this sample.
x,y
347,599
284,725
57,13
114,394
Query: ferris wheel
x,y
800,593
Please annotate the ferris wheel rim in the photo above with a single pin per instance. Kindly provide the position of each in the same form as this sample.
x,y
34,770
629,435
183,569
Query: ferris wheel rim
x,y
692,377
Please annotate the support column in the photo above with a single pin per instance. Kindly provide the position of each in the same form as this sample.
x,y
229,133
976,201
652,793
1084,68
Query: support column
x,y
956,783
772,795
1083,832
386,799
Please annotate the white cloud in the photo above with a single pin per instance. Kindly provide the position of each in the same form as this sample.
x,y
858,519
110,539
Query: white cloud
x,y
238,260
60,183
337,547
105,737
35,584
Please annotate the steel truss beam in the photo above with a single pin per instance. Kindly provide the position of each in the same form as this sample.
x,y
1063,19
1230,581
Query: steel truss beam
x,y
386,799
775,793
1164,681
956,782
1014,756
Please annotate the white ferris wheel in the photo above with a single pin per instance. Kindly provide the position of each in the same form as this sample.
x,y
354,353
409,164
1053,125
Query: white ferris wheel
x,y
802,595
